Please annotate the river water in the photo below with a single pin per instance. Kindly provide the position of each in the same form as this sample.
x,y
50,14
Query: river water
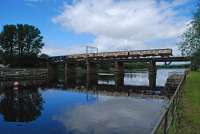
x,y
37,108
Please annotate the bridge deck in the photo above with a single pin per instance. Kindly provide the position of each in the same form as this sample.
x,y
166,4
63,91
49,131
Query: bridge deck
x,y
121,59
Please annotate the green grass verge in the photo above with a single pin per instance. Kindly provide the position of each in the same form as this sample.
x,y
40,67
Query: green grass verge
x,y
188,121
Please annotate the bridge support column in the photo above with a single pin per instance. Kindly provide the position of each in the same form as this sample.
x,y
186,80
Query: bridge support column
x,y
91,73
51,72
119,74
152,74
70,73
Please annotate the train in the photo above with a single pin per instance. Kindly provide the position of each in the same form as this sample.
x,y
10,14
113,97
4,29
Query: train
x,y
119,54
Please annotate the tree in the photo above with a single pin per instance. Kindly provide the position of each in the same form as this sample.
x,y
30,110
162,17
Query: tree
x,y
196,60
8,39
20,43
44,56
191,38
190,44
29,39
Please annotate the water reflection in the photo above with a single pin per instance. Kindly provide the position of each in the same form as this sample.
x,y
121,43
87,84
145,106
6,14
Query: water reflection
x,y
80,107
20,104
139,77
113,115
113,90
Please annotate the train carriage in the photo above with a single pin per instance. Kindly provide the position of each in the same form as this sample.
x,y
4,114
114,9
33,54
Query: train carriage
x,y
111,54
165,52
124,54
152,52
77,56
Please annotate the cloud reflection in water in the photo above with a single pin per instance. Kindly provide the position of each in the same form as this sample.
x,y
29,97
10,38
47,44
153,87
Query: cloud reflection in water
x,y
113,115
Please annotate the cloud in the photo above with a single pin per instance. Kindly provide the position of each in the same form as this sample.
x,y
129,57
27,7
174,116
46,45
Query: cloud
x,y
125,24
55,50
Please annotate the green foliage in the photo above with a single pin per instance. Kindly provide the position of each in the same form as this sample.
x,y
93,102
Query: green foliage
x,y
196,60
20,44
21,60
43,55
8,39
191,38
190,44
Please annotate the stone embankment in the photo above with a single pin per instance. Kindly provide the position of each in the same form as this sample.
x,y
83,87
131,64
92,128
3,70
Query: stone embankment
x,y
172,83
22,74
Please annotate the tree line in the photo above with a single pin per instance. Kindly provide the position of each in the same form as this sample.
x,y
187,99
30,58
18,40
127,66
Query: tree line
x,y
20,45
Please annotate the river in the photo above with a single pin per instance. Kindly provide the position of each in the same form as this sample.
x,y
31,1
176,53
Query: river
x,y
36,108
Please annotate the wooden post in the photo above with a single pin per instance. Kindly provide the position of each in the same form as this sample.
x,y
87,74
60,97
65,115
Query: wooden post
x,y
119,74
152,74
51,72
166,123
91,73
70,73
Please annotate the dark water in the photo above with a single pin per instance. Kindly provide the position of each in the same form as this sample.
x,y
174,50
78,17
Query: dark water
x,y
36,107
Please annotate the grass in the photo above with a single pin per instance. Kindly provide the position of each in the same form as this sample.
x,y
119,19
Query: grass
x,y
189,108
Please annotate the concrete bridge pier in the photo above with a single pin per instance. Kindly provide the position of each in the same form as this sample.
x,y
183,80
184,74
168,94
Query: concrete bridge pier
x,y
70,73
152,74
91,73
119,74
51,71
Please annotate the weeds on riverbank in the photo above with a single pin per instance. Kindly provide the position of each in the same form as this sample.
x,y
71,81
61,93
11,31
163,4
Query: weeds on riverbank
x,y
188,112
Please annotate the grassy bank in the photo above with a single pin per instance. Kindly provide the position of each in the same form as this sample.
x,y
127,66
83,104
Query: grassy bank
x,y
189,107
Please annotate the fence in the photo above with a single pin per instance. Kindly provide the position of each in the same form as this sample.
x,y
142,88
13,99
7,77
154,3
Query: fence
x,y
170,113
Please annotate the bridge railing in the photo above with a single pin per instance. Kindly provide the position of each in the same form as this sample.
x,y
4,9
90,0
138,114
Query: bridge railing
x,y
169,116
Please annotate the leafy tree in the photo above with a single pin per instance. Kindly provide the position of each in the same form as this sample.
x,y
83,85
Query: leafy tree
x,y
20,44
196,60
43,55
190,44
191,38
29,39
8,39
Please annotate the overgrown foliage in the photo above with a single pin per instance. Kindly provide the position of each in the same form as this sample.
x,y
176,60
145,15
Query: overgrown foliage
x,y
190,44
20,44
191,38
196,60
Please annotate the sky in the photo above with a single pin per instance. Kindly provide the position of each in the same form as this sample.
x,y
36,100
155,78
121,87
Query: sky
x,y
68,26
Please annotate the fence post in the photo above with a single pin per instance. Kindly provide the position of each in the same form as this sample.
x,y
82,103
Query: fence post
x,y
166,122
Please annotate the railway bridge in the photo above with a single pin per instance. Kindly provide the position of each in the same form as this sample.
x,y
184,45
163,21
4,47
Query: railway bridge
x,y
151,57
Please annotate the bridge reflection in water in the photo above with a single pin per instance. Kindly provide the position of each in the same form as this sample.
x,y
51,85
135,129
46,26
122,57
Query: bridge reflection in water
x,y
24,103
106,83
78,106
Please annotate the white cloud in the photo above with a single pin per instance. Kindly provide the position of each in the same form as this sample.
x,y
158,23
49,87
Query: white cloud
x,y
55,50
124,24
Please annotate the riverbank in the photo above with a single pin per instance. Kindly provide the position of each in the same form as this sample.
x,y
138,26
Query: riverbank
x,y
22,74
189,108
